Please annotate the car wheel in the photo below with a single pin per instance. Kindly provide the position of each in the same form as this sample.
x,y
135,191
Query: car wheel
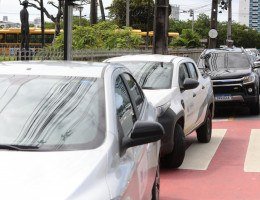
x,y
204,132
156,185
254,108
175,158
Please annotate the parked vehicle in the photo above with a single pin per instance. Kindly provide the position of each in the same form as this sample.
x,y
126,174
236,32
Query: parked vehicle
x,y
183,98
253,53
234,76
76,130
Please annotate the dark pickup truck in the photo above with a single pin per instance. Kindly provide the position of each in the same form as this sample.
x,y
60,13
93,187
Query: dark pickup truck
x,y
234,77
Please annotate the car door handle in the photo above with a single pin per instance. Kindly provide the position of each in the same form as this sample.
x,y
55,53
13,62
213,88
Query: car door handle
x,y
194,94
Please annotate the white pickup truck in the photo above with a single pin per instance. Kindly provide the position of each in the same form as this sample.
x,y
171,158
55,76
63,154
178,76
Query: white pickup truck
x,y
182,96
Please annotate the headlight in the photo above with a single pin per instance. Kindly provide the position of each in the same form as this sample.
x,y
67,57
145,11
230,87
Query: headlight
x,y
248,79
161,109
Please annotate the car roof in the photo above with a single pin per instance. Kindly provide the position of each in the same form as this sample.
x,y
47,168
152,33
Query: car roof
x,y
225,49
53,68
144,58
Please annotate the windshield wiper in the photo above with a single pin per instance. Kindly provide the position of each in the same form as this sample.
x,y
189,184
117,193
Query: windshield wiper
x,y
17,147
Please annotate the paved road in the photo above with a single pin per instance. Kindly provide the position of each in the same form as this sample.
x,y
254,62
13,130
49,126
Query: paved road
x,y
226,168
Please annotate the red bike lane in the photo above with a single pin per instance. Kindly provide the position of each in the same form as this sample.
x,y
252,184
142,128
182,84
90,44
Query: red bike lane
x,y
225,177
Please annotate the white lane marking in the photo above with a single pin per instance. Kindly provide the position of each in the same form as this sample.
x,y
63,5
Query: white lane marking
x,y
252,161
198,155
221,120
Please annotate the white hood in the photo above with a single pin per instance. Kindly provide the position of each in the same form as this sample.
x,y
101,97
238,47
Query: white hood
x,y
49,175
159,97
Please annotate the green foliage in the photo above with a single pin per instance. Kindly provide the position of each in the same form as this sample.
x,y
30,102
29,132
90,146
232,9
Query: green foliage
x,y
80,22
202,25
241,34
104,35
141,13
188,38
49,25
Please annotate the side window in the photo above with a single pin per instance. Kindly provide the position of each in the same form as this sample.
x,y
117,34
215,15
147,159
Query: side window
x,y
192,71
183,74
135,91
124,108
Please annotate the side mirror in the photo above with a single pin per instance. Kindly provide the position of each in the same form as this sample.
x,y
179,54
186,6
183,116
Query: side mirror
x,y
256,65
189,84
143,133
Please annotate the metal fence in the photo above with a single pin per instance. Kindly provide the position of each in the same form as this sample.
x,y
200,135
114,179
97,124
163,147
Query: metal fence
x,y
13,54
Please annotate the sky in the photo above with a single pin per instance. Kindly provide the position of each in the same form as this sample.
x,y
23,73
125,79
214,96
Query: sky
x,y
11,8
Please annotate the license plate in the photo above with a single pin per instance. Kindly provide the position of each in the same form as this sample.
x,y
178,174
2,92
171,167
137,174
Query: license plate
x,y
223,98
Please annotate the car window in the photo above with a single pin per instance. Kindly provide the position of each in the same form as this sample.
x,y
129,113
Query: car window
x,y
135,91
192,71
225,60
151,75
183,74
52,113
124,108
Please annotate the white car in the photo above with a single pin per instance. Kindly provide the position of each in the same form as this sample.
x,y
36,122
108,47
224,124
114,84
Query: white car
x,y
183,98
76,130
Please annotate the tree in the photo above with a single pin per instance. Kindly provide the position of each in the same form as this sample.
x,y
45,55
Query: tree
x,y
202,25
188,38
141,13
103,35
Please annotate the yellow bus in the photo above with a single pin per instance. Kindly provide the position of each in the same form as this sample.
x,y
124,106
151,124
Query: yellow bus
x,y
11,38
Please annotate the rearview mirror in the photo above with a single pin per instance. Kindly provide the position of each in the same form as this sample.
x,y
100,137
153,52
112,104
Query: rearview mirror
x,y
189,84
143,133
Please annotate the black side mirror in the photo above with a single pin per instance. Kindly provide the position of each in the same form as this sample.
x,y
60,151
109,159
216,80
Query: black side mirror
x,y
189,84
143,133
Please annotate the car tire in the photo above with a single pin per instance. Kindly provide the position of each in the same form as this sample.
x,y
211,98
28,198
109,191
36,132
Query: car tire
x,y
156,185
175,158
204,132
254,108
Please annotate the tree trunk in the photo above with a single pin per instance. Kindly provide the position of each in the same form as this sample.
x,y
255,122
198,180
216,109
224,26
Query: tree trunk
x,y
102,10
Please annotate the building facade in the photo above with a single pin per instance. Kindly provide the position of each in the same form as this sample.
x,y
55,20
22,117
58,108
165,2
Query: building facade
x,y
175,14
254,14
243,17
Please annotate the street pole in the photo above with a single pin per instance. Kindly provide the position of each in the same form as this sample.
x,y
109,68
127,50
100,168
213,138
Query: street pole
x,y
127,13
42,24
161,21
93,12
213,23
229,25
68,13
80,8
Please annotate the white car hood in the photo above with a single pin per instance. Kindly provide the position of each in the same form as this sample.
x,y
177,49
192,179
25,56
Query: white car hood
x,y
46,175
159,97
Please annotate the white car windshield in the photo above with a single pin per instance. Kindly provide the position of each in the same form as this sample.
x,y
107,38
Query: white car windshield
x,y
151,75
224,60
51,113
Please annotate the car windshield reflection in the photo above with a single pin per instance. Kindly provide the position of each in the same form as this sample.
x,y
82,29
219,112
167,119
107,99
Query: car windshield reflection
x,y
51,113
151,75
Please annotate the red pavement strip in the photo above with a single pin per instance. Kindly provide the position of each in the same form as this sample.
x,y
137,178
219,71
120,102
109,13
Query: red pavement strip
x,y
225,177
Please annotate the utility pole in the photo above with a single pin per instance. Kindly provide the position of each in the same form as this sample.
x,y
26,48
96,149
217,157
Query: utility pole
x,y
213,23
229,25
192,15
161,24
93,12
127,13
42,24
